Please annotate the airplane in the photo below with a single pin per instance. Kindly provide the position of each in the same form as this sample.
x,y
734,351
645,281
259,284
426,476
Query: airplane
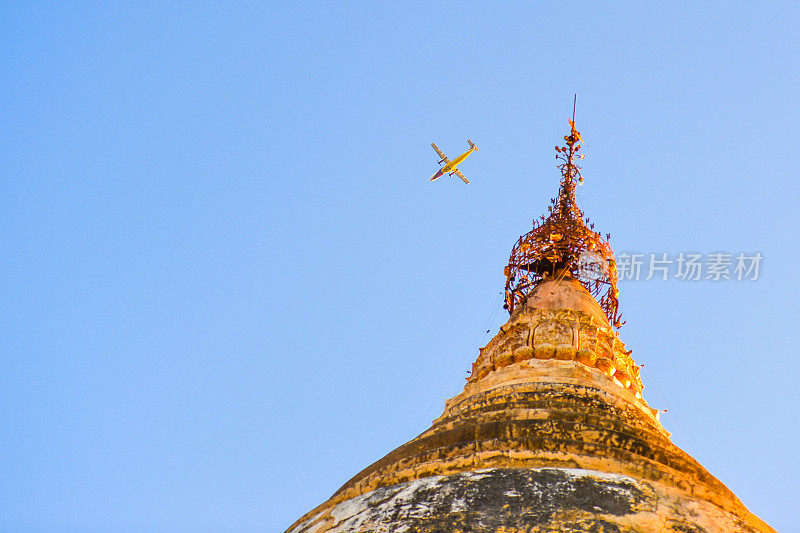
x,y
451,167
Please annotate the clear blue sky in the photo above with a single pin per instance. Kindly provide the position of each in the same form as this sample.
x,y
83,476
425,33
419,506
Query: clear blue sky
x,y
228,286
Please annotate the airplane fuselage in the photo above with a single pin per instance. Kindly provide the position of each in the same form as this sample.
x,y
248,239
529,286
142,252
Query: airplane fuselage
x,y
452,165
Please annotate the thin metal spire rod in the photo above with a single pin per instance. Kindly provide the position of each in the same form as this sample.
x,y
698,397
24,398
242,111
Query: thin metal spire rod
x,y
574,104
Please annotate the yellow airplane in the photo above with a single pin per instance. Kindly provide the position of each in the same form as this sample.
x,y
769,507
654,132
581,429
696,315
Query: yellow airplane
x,y
451,167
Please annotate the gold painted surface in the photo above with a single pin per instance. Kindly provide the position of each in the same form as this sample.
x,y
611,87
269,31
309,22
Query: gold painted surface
x,y
555,388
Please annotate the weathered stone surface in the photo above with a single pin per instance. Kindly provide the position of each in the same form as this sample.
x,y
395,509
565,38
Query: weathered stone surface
x,y
551,433
530,500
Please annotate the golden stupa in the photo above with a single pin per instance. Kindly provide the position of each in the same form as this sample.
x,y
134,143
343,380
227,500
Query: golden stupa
x,y
551,432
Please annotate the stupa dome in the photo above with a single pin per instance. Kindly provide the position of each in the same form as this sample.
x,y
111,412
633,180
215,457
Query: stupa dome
x,y
565,294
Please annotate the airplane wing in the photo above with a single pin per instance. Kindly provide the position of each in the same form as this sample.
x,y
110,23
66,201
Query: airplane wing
x,y
460,175
441,154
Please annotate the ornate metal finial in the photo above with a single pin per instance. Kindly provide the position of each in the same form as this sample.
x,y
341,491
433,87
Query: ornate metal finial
x,y
562,245
570,171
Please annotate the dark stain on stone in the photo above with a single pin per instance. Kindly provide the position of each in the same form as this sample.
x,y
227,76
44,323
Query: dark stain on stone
x,y
516,498
686,528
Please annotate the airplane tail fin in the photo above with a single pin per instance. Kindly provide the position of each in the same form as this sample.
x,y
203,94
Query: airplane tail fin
x,y
472,145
